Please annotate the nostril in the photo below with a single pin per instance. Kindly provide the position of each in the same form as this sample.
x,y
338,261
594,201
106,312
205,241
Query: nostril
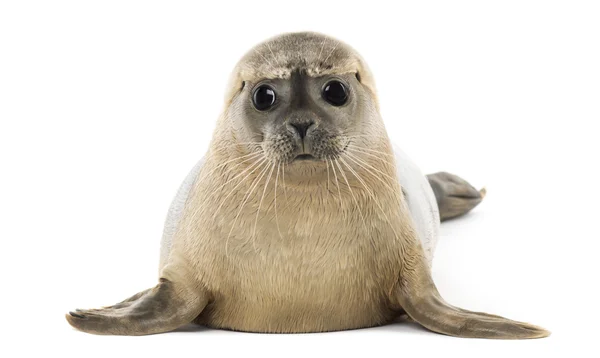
x,y
302,128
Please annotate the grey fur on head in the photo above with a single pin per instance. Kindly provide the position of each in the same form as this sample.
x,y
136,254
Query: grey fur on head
x,y
309,52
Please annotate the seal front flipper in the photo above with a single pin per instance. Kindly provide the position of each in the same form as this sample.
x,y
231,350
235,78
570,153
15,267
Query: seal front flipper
x,y
165,307
418,296
454,195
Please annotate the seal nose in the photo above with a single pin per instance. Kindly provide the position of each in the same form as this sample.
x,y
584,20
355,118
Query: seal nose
x,y
301,127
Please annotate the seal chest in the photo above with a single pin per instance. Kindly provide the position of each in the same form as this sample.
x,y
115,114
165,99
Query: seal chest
x,y
327,270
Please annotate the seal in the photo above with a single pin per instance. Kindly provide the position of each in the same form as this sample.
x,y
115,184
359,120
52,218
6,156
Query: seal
x,y
302,216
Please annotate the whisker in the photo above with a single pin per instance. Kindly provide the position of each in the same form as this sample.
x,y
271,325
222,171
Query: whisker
x,y
255,165
240,143
320,52
356,160
353,197
370,150
264,58
326,58
276,216
356,175
372,195
260,205
327,163
214,192
355,151
283,183
365,136
274,57
248,193
360,179
337,183
251,155
360,151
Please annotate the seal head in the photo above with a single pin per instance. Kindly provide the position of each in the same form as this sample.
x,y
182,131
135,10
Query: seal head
x,y
302,98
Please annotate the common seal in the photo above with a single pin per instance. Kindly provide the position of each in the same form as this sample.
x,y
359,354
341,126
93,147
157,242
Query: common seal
x,y
302,217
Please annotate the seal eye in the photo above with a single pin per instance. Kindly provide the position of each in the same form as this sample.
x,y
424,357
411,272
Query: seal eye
x,y
335,93
264,98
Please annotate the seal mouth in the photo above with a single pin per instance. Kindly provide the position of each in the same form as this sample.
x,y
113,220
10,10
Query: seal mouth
x,y
305,157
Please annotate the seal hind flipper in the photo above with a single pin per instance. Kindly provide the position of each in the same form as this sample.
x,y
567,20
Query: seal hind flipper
x,y
454,195
163,308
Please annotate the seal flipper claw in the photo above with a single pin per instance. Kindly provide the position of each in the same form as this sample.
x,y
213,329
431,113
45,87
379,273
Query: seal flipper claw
x,y
76,315
163,308
454,195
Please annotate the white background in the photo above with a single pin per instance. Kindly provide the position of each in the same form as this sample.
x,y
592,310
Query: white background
x,y
106,105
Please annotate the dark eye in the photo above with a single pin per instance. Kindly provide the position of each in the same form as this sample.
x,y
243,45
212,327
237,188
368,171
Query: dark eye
x,y
335,93
264,98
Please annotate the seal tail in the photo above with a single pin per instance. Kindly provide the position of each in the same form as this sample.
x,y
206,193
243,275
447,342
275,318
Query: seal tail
x,y
454,195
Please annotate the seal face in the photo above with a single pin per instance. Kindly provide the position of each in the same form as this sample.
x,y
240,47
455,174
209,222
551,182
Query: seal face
x,y
293,119
302,217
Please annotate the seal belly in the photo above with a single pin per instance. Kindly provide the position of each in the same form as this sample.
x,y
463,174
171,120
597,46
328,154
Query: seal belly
x,y
292,316
305,283
277,301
